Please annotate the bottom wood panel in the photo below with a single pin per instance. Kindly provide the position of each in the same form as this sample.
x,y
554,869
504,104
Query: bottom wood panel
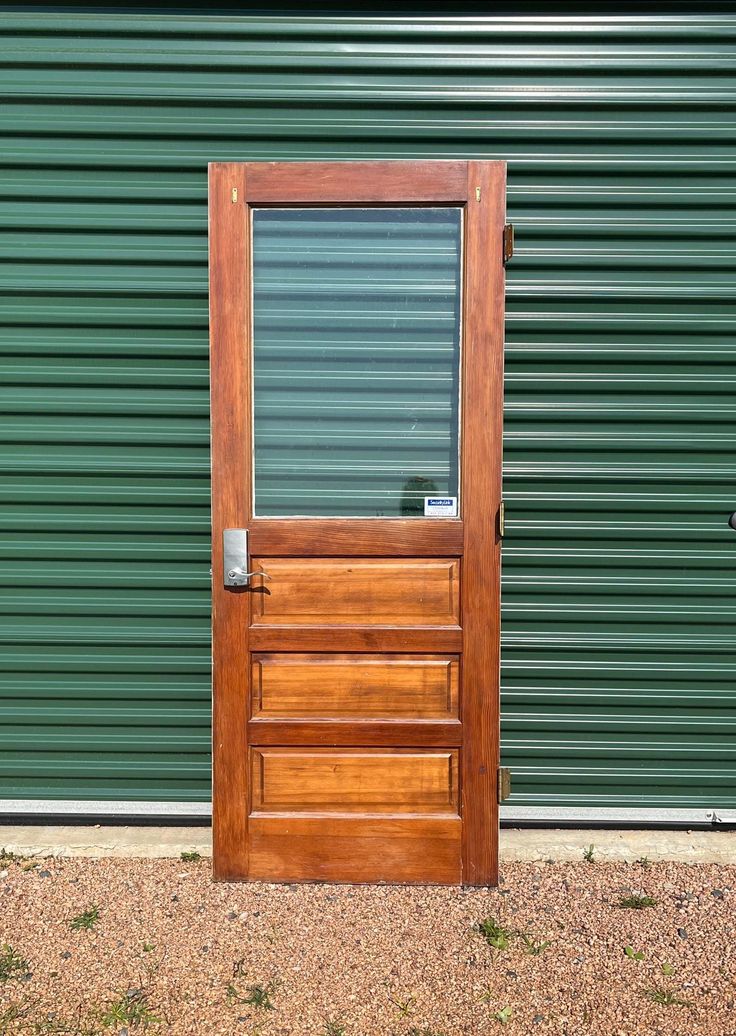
x,y
289,781
413,851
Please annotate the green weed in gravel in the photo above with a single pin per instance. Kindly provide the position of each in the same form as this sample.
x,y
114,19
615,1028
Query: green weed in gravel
x,y
636,902
533,947
10,1014
333,1027
589,854
495,934
633,954
504,1016
6,857
86,920
665,997
402,1004
191,857
257,995
131,1009
12,965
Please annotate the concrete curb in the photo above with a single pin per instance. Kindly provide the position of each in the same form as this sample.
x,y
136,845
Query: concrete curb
x,y
537,844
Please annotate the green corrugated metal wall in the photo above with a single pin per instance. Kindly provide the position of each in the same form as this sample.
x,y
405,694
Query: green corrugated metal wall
x,y
619,570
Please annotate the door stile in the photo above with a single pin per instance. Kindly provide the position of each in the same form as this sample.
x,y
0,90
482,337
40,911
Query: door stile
x,y
482,430
230,394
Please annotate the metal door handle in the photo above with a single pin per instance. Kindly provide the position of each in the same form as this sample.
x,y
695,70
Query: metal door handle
x,y
235,559
238,573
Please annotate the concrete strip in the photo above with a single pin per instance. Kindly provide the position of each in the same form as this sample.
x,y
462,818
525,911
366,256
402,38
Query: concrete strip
x,y
530,844
97,841
562,844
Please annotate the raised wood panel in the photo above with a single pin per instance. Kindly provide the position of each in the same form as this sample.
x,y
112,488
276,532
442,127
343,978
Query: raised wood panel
x,y
358,591
414,850
359,781
359,686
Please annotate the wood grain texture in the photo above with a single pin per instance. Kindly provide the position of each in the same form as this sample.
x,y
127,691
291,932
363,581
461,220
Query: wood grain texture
x,y
336,537
355,638
483,320
418,733
422,182
358,591
339,686
231,477
364,781
411,851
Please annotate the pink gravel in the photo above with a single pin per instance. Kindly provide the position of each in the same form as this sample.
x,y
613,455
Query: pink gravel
x,y
359,961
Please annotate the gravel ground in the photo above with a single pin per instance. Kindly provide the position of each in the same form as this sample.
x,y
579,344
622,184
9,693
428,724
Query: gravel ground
x,y
172,953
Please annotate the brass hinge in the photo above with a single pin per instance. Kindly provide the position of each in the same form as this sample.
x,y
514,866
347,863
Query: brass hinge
x,y
504,783
508,242
502,519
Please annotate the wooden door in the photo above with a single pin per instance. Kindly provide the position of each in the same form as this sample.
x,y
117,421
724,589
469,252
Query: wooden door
x,y
355,696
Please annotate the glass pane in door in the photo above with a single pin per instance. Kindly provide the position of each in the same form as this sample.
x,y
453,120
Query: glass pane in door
x,y
356,331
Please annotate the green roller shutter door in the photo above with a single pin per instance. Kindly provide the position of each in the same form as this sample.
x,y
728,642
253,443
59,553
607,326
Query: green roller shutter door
x,y
619,569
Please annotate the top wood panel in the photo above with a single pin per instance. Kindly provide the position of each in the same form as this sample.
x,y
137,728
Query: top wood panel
x,y
396,183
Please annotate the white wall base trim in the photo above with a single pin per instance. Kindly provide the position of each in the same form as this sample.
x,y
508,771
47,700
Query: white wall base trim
x,y
104,808
550,815
614,815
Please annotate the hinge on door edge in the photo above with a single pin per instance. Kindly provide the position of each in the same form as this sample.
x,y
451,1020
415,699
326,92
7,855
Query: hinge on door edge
x,y
504,783
502,519
508,242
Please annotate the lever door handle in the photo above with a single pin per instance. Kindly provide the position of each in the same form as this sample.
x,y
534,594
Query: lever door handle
x,y
238,573
236,559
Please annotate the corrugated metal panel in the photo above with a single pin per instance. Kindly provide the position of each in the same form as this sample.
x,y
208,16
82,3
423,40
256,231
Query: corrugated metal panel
x,y
618,646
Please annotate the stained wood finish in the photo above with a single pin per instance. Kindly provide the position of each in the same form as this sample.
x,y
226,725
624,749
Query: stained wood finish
x,y
332,686
302,183
230,376
355,638
421,733
340,774
364,781
414,851
482,432
307,537
358,591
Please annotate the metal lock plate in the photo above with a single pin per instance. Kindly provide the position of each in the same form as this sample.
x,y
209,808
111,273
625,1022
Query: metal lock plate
x,y
235,557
